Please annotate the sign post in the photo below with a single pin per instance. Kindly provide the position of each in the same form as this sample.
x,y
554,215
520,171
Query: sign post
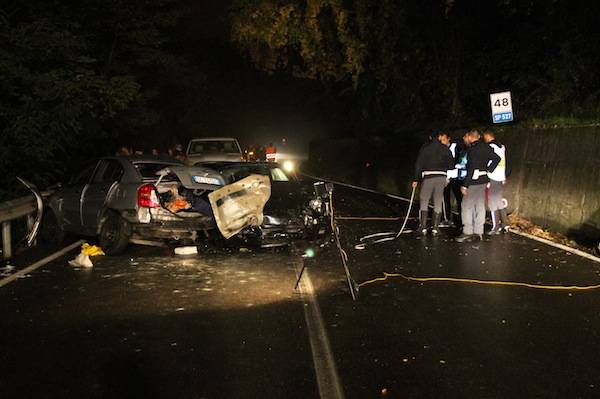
x,y
501,107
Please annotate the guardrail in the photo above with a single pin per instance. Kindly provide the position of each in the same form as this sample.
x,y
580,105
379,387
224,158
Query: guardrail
x,y
11,210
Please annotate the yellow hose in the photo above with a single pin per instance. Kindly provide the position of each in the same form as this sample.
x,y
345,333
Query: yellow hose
x,y
482,282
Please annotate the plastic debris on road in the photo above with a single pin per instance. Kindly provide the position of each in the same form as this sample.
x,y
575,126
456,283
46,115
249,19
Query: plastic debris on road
x,y
6,270
186,251
83,259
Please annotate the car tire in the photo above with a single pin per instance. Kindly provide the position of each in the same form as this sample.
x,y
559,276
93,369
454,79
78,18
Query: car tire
x,y
114,234
51,231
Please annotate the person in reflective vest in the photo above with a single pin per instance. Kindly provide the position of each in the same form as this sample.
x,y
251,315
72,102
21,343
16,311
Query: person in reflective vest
x,y
433,162
481,159
271,153
497,181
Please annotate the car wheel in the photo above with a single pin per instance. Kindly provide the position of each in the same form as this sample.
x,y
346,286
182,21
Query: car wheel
x,y
51,231
114,234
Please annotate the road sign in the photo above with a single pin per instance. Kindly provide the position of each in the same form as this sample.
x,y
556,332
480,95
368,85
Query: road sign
x,y
501,107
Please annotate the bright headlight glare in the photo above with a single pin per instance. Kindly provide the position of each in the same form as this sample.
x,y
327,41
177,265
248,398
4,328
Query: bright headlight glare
x,y
309,253
289,166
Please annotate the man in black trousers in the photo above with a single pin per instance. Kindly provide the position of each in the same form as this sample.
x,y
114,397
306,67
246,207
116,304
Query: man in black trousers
x,y
481,159
433,162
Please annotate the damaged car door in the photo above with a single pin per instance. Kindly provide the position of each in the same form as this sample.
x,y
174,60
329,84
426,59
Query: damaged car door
x,y
98,191
240,204
69,199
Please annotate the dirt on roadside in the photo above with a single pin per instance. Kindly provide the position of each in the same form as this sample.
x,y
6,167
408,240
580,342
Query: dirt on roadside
x,y
524,225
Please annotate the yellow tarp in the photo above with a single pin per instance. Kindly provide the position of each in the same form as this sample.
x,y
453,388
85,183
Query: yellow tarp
x,y
91,250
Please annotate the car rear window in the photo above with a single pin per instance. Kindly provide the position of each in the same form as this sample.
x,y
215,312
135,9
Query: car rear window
x,y
214,147
149,170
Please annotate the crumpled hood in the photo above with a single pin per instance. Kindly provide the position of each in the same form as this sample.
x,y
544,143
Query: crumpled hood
x,y
240,204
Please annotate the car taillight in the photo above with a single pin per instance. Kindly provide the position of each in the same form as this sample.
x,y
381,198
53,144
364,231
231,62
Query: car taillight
x,y
146,196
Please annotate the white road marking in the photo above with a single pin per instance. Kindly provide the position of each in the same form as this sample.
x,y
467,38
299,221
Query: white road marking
x,y
328,380
557,245
39,263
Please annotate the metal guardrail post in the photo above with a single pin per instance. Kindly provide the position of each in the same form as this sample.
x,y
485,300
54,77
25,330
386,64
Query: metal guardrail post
x,y
6,240
24,207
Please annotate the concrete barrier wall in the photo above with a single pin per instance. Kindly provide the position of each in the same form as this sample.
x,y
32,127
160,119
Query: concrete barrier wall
x,y
555,177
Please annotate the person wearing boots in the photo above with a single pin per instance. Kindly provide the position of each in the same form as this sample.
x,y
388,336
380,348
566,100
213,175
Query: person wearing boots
x,y
433,162
497,182
481,159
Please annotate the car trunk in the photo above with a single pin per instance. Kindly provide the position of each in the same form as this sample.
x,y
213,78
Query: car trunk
x,y
183,195
198,192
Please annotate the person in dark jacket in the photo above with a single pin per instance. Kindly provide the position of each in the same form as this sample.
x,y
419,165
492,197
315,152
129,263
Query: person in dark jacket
x,y
481,159
433,162
456,177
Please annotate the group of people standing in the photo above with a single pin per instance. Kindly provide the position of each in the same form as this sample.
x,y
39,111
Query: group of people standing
x,y
469,171
258,153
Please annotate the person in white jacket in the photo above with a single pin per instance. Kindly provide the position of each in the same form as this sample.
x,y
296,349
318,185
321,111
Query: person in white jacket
x,y
497,181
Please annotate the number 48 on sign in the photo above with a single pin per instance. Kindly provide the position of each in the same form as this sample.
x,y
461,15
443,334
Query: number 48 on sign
x,y
501,107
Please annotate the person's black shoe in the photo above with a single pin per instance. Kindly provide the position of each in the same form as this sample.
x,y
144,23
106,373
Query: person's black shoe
x,y
477,237
464,238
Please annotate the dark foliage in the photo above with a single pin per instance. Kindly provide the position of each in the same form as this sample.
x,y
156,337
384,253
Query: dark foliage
x,y
419,63
80,78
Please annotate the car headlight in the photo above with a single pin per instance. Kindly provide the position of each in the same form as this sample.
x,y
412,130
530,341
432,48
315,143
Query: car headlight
x,y
289,166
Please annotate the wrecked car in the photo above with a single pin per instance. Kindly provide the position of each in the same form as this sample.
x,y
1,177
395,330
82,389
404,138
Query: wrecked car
x,y
154,201
296,209
124,199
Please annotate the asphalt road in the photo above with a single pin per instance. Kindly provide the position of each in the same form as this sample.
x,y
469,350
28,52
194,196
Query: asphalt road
x,y
150,325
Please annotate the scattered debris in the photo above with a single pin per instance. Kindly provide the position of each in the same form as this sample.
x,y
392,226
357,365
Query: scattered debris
x,y
186,251
6,270
83,259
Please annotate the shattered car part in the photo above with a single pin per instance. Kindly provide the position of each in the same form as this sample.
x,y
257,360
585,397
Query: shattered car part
x,y
240,204
40,211
186,251
296,210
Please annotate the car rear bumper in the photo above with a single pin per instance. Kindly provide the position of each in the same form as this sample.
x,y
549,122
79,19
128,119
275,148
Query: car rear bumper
x,y
160,224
